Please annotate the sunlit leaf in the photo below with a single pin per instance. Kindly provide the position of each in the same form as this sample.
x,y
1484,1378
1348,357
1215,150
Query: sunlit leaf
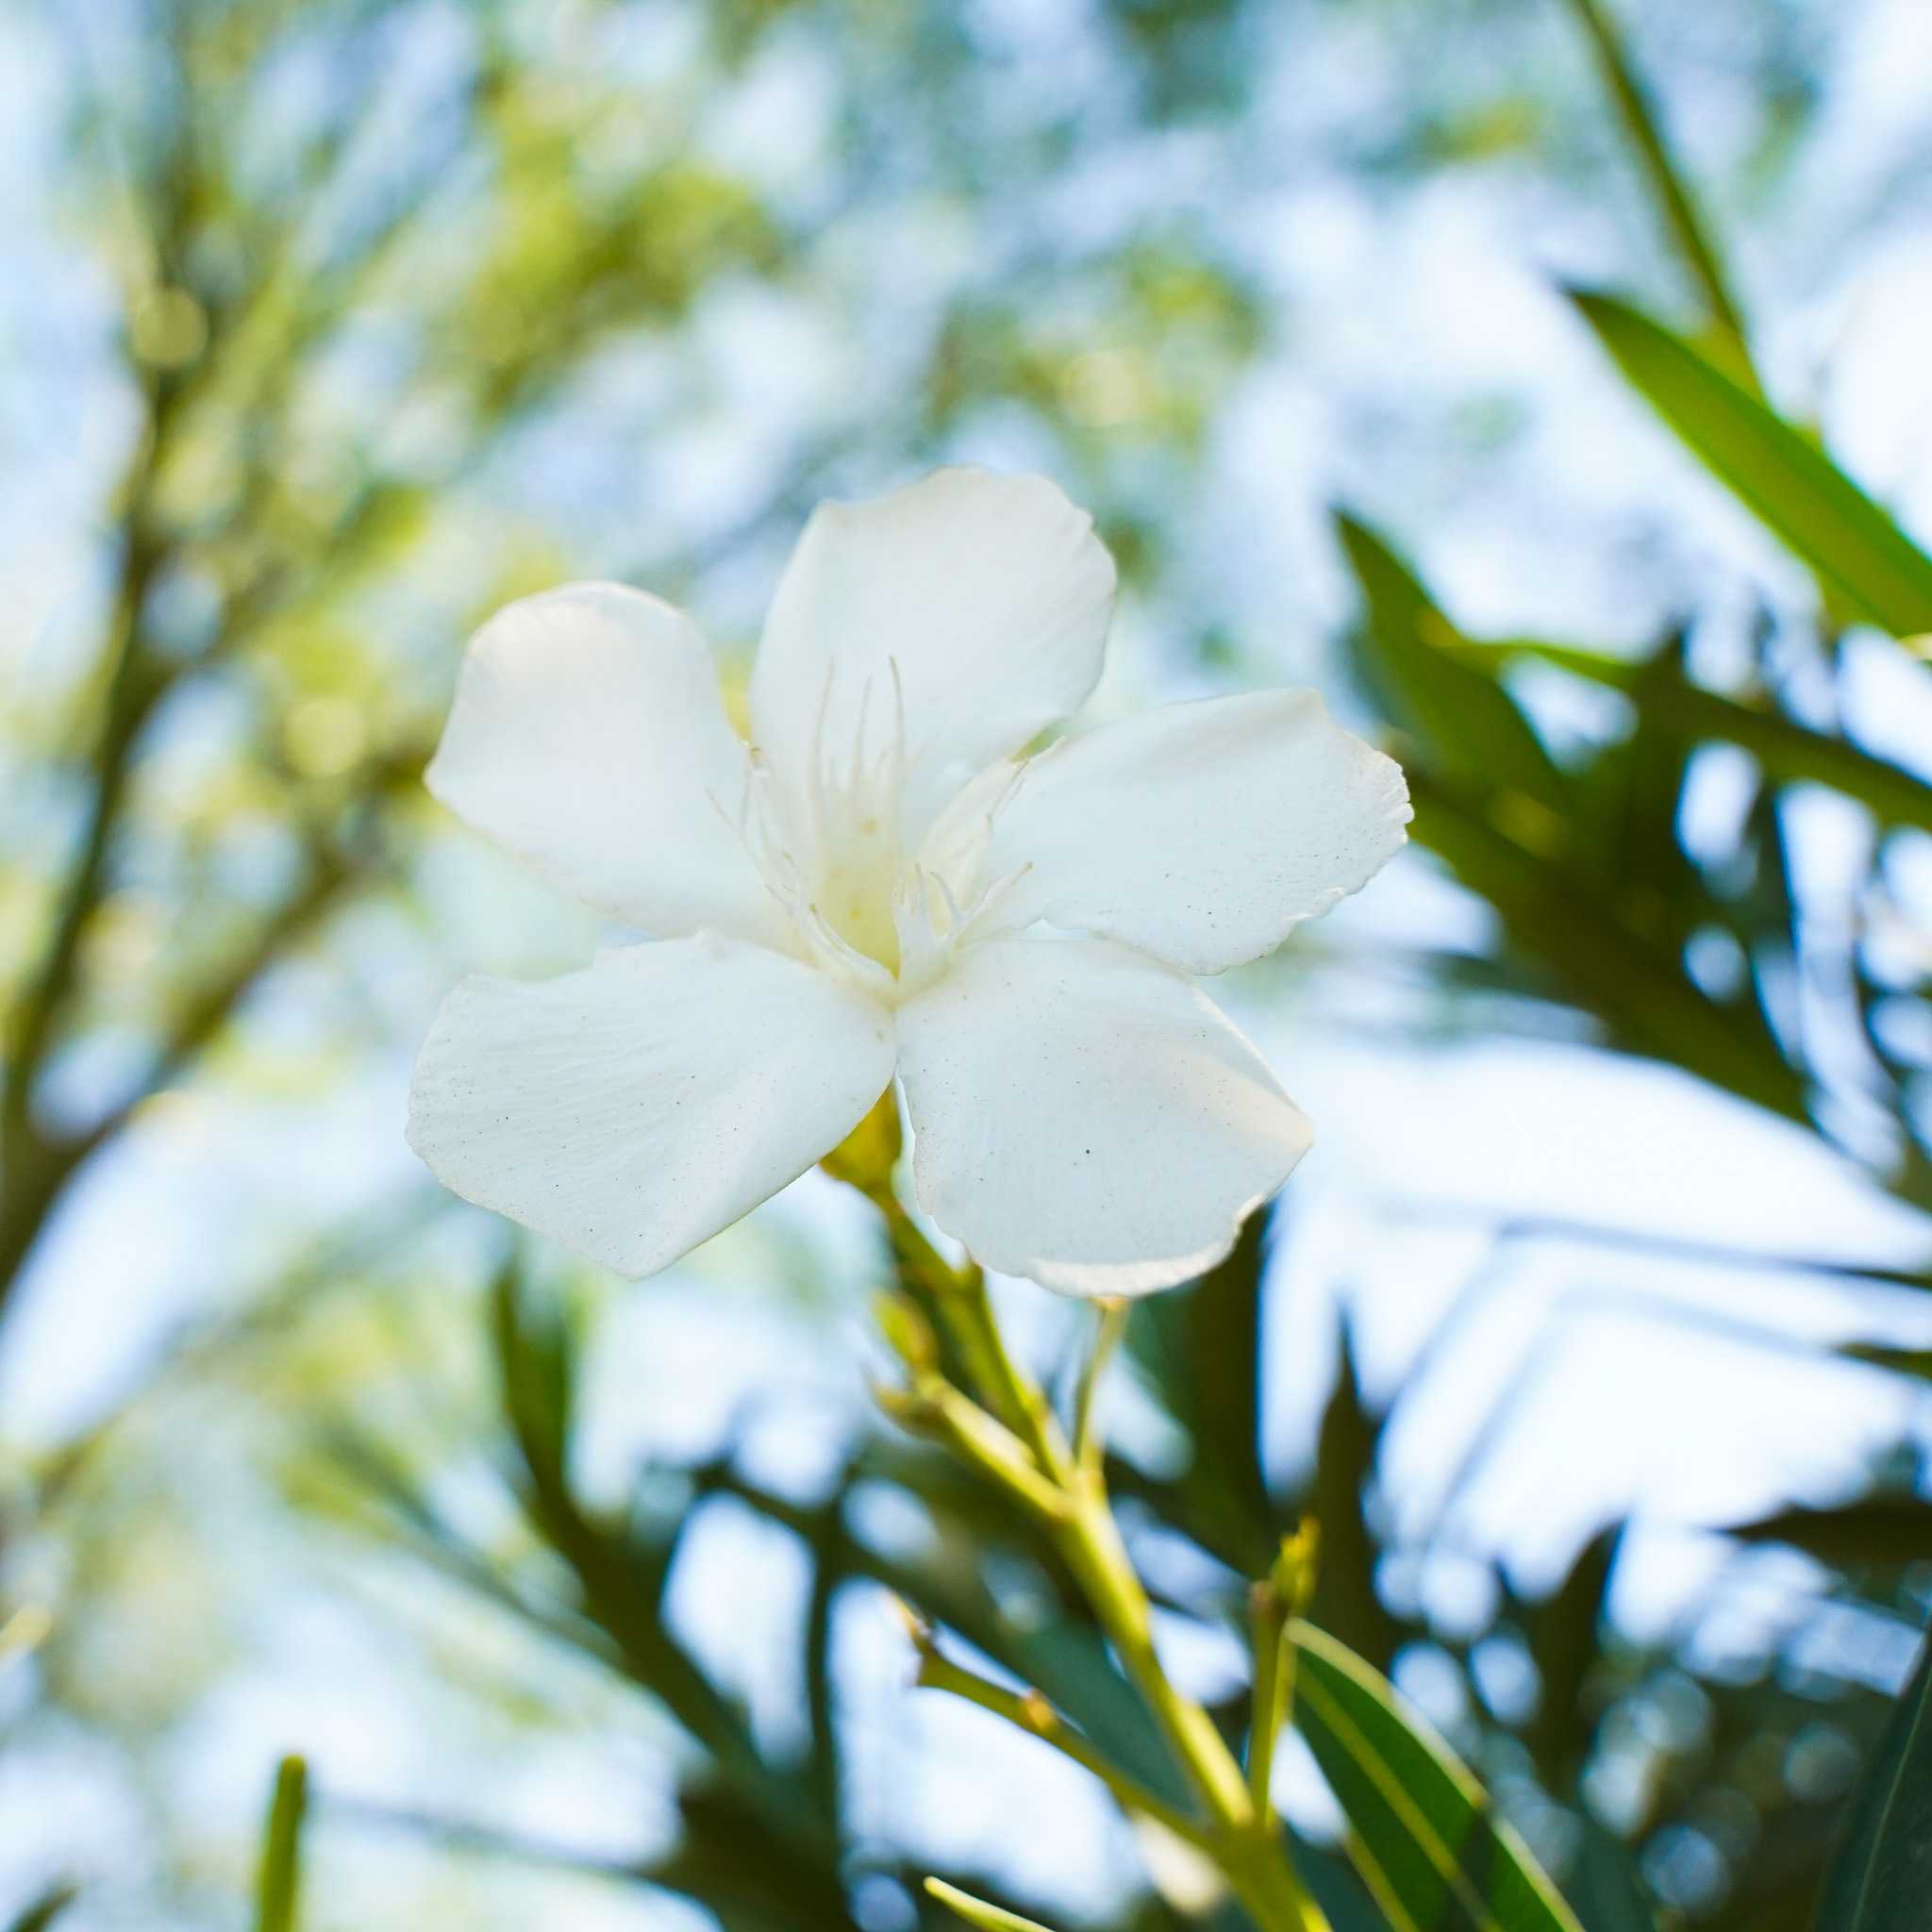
x,y
1866,562
1422,1832
1467,721
975,1911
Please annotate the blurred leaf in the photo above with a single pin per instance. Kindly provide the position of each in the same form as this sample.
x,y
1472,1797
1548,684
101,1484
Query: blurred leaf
x,y
1056,1653
1604,1885
1915,1362
1564,1634
1345,1449
1668,183
44,1909
1542,850
1641,991
754,1879
278,1884
1885,1532
1421,1829
1858,553
1200,1350
537,1372
977,1912
1469,723
1790,753
1881,1879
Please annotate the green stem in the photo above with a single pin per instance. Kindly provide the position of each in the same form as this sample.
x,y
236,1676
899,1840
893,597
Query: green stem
x,y
1033,1714
1276,1602
1268,1621
1107,1338
1021,1446
1090,1540
279,1883
957,1298
1667,183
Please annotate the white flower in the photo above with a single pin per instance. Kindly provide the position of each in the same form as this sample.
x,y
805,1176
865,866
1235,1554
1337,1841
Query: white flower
x,y
881,884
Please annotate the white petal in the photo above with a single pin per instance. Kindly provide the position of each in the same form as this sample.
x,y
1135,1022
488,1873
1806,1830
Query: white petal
x,y
987,596
588,735
1084,1116
1201,832
636,1108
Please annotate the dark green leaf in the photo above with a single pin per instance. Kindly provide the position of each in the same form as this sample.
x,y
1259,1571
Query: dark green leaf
x,y
1345,1449
1421,1830
1790,753
1881,1877
1639,990
1858,553
1884,1532
43,1911
1468,723
1200,1350
1564,1637
1915,1362
1605,1887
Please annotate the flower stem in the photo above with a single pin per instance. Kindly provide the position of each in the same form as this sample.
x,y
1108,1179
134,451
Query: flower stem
x,y
1032,1713
1273,1603
1107,1338
1062,1485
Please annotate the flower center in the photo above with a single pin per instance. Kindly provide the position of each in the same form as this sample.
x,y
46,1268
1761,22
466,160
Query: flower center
x,y
870,909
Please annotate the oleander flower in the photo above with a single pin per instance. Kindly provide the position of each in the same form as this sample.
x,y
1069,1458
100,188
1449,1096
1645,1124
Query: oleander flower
x,y
882,883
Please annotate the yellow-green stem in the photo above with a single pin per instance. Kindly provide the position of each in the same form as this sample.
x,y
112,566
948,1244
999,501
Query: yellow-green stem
x,y
1088,1442
1268,1620
1034,1714
1066,1493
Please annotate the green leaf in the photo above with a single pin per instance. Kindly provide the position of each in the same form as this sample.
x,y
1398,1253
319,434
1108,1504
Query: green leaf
x,y
1421,1830
1641,993
1346,1445
1915,1362
1881,1878
1790,753
1467,721
1865,561
975,1911
43,1911
536,1369
1884,1532
1200,1350
278,1884
1604,1882
1564,1632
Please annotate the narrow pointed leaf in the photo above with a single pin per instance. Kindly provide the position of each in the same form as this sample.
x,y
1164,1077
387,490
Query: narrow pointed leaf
x,y
1789,752
1882,1532
1468,723
1422,1832
1867,565
1200,1349
1881,1878
41,1913
278,1884
975,1911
